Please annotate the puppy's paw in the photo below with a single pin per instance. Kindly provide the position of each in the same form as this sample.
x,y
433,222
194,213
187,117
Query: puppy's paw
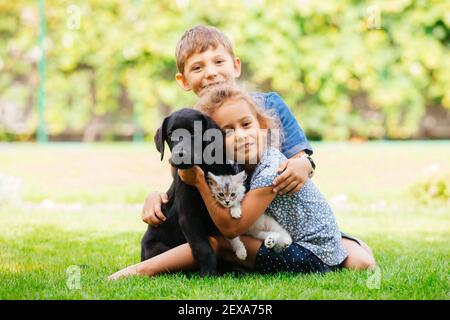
x,y
235,212
269,242
208,273
241,253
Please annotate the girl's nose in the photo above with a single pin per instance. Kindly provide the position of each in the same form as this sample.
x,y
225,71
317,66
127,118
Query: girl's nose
x,y
241,137
241,133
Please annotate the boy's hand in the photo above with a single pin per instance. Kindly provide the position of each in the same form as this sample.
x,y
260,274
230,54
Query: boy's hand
x,y
294,174
151,213
191,176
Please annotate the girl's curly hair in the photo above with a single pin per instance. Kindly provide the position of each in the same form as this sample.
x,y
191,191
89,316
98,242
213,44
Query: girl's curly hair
x,y
214,98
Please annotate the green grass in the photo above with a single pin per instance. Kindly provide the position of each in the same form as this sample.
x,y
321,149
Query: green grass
x,y
38,244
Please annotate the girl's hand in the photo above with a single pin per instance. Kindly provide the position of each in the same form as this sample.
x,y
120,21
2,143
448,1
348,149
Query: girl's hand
x,y
191,176
294,174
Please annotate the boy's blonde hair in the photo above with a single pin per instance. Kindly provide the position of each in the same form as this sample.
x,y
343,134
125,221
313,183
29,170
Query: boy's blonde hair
x,y
214,98
197,40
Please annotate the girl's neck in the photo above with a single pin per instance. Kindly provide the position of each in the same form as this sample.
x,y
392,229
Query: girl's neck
x,y
249,168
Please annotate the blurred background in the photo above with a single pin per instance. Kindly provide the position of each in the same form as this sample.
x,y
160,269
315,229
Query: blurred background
x,y
85,84
104,69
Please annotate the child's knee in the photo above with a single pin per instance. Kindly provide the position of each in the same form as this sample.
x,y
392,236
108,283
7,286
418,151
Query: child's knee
x,y
214,244
365,262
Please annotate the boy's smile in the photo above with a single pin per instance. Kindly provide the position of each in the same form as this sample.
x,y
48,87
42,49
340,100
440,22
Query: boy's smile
x,y
211,67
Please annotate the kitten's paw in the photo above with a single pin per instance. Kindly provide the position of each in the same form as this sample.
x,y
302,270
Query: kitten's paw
x,y
235,212
241,253
269,242
285,240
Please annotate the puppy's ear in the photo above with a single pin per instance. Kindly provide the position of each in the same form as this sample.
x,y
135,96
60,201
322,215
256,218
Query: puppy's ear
x,y
160,138
209,123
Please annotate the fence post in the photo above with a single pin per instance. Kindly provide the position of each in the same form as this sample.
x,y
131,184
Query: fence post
x,y
41,131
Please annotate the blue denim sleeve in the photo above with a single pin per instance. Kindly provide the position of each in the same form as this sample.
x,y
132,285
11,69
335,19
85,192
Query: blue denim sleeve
x,y
294,137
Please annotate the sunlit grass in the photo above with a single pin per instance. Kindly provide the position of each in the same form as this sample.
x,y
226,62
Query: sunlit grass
x,y
100,234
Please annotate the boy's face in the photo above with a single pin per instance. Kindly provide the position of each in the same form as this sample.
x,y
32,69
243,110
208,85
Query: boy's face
x,y
208,68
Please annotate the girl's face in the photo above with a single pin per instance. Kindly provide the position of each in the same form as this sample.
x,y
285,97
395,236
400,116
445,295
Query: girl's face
x,y
243,134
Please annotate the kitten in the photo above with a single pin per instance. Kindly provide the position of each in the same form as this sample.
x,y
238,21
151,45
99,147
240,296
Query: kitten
x,y
229,191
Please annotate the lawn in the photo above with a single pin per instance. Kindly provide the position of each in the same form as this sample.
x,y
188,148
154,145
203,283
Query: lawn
x,y
80,213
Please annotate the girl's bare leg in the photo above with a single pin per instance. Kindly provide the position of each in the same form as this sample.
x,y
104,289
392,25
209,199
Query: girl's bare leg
x,y
175,259
181,258
251,244
360,257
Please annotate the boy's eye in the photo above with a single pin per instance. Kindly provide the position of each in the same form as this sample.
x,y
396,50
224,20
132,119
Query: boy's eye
x,y
219,61
247,124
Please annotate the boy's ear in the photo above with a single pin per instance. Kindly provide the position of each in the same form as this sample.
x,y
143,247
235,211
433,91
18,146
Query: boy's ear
x,y
237,67
182,82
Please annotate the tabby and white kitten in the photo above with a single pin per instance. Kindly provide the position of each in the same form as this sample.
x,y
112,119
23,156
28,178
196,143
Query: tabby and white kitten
x,y
229,190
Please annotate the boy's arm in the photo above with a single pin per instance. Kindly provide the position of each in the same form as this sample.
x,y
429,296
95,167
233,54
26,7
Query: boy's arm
x,y
295,140
151,212
295,171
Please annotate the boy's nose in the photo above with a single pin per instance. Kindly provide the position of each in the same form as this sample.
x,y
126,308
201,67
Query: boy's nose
x,y
211,71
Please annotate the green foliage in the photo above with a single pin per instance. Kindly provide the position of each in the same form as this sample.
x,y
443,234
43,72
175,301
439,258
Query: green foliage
x,y
341,75
37,246
434,189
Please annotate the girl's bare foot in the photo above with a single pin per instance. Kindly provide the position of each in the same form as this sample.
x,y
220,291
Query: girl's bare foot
x,y
124,273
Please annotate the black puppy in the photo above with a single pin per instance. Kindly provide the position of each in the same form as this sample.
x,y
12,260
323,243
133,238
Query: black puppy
x,y
187,219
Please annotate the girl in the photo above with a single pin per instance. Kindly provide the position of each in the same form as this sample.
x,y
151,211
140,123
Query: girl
x,y
317,246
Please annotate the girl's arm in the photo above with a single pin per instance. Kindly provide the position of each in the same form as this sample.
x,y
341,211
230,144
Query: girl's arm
x,y
253,205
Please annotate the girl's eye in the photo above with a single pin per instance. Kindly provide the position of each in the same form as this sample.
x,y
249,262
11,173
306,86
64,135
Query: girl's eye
x,y
197,68
219,61
247,124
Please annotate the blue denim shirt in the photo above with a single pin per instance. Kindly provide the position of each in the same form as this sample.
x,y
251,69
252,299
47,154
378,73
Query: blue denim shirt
x,y
294,137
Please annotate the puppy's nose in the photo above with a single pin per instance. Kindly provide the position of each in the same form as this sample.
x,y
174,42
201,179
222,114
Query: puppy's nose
x,y
181,153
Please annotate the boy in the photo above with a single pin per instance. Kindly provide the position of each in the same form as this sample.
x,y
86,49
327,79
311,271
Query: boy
x,y
205,58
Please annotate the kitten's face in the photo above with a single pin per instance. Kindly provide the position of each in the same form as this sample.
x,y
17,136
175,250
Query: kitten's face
x,y
229,189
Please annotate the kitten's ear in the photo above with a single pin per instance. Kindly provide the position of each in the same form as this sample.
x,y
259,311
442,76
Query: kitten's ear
x,y
241,176
212,179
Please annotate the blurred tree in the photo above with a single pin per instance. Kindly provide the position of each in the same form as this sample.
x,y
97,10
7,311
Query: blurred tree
x,y
347,69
